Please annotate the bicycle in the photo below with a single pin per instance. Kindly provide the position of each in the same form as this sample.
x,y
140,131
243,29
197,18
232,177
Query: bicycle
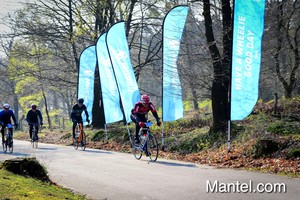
x,y
80,138
8,139
148,144
34,137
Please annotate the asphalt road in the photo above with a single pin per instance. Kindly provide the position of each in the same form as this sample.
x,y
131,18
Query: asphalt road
x,y
112,175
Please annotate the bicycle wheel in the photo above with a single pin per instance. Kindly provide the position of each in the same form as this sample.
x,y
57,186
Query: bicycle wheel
x,y
75,140
83,142
4,146
75,143
34,140
136,150
152,147
35,144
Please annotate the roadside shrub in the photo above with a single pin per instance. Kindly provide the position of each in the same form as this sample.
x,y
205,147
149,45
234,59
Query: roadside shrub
x,y
265,147
28,167
282,128
294,153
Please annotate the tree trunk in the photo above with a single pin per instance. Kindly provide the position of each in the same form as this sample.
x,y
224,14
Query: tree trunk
x,y
46,108
221,65
16,108
98,120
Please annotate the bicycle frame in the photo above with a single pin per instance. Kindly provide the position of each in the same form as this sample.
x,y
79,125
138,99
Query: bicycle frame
x,y
148,144
144,135
79,128
79,137
34,137
8,138
34,130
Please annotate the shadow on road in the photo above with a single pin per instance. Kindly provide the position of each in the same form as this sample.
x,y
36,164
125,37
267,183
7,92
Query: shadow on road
x,y
14,154
45,148
173,164
97,151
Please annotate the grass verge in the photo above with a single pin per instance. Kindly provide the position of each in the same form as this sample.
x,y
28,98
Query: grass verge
x,y
16,187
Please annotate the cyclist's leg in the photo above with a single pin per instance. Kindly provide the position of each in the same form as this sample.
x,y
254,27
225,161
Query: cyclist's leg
x,y
134,120
2,133
30,131
141,118
37,131
73,128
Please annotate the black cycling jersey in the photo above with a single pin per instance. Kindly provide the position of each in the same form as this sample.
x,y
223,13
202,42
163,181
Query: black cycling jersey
x,y
77,111
34,117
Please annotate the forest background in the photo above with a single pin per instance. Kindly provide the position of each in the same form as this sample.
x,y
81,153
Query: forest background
x,y
41,50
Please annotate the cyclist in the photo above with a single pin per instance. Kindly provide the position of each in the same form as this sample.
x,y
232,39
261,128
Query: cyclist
x,y
5,118
76,117
138,114
34,116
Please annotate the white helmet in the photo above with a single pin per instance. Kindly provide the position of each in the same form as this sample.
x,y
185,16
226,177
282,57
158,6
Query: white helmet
x,y
6,105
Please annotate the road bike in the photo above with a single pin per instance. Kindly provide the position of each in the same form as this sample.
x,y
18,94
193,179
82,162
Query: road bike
x,y
80,138
8,144
148,144
34,137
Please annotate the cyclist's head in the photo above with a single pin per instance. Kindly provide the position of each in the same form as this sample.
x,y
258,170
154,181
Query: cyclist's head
x,y
145,99
80,101
33,106
6,106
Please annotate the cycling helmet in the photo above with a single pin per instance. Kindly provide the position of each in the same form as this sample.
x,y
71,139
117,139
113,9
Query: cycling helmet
x,y
80,100
145,98
6,106
33,106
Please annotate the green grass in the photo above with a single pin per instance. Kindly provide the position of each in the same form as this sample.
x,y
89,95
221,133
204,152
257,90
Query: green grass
x,y
16,187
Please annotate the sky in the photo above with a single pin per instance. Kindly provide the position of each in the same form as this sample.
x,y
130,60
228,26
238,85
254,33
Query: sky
x,y
8,6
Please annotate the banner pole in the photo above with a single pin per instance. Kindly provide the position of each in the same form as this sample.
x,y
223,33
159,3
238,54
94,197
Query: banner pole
x,y
106,134
162,138
129,135
228,141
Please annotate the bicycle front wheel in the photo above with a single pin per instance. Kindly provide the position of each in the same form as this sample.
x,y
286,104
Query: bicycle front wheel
x,y
152,147
11,146
34,139
83,142
75,143
136,150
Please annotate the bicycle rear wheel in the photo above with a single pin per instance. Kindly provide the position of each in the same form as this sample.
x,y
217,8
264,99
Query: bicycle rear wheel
x,y
136,150
152,147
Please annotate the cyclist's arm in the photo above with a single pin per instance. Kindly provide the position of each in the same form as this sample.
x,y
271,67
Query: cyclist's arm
x,y
86,113
40,116
153,110
13,117
28,117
